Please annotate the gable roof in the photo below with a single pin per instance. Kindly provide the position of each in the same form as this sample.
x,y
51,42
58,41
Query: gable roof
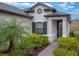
x,y
12,10
39,3
54,14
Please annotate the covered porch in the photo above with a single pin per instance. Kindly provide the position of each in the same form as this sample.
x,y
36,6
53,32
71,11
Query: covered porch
x,y
57,26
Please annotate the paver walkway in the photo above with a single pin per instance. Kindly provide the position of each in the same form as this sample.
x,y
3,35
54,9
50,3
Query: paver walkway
x,y
48,51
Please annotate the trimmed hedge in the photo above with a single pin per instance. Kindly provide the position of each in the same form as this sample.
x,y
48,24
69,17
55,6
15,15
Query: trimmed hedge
x,y
71,53
28,43
68,46
59,51
64,52
37,40
68,42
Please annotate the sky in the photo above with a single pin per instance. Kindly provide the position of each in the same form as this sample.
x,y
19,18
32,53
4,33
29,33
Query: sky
x,y
66,7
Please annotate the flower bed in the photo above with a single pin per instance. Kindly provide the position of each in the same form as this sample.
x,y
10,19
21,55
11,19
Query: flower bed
x,y
30,45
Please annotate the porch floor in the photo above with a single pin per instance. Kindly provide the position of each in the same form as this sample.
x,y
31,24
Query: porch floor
x,y
48,51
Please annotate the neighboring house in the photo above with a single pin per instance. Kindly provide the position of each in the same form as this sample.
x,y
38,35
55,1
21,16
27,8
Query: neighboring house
x,y
41,19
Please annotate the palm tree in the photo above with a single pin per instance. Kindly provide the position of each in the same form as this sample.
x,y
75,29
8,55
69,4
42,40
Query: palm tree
x,y
9,32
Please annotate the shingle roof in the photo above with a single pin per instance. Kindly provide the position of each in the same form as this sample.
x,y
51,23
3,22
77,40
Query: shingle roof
x,y
27,10
57,14
11,9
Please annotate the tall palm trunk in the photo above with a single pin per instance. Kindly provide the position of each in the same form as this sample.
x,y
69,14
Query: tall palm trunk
x,y
11,46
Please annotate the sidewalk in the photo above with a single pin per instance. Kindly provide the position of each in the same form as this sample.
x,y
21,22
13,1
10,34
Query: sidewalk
x,y
48,51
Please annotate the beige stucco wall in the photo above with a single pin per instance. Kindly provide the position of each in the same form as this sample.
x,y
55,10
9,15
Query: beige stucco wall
x,y
23,20
39,17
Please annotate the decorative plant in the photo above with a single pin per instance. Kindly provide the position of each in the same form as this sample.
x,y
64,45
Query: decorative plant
x,y
68,42
9,32
68,46
71,34
64,52
36,41
76,34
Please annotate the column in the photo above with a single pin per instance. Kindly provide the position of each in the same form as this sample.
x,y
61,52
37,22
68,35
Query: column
x,y
68,28
64,27
49,29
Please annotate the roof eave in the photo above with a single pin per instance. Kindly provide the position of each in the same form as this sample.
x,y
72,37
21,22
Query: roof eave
x,y
66,15
9,12
56,15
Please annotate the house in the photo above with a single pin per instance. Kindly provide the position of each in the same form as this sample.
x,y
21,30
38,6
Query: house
x,y
41,19
8,12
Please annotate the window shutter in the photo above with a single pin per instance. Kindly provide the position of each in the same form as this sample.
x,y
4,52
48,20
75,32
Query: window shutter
x,y
45,28
33,27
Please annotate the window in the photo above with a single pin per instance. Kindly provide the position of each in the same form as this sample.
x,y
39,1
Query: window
x,y
39,11
39,27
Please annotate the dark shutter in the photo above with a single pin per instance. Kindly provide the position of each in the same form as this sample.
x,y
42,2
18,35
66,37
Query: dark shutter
x,y
45,28
33,27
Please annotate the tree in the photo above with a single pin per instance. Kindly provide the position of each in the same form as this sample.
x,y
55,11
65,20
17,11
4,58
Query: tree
x,y
9,32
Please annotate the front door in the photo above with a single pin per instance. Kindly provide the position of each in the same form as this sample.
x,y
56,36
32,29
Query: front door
x,y
59,28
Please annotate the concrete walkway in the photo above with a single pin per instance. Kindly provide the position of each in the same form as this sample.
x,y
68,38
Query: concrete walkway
x,y
48,51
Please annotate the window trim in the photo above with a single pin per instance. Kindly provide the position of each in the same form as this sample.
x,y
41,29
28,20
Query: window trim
x,y
38,11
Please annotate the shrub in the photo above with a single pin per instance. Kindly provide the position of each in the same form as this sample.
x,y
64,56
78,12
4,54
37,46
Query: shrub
x,y
59,51
68,42
71,34
37,40
76,34
71,53
68,46
1,54
28,43
44,39
64,52
33,40
22,43
17,52
23,46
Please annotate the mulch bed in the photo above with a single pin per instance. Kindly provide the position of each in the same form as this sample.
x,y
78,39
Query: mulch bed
x,y
35,52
